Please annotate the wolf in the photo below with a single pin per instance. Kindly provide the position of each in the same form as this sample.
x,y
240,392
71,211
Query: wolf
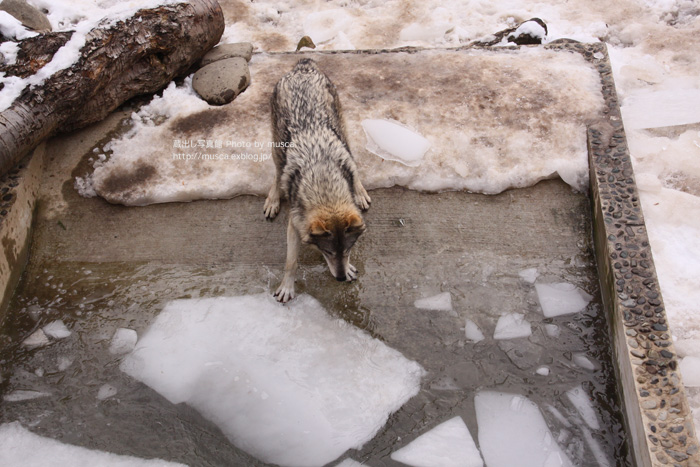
x,y
316,172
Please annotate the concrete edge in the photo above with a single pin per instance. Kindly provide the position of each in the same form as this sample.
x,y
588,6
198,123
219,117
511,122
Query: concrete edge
x,y
19,189
658,415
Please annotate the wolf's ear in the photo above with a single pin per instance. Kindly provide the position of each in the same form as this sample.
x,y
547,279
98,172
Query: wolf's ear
x,y
354,224
318,228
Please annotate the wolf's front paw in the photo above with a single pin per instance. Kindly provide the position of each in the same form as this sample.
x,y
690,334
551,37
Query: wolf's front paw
x,y
272,207
351,273
284,293
363,200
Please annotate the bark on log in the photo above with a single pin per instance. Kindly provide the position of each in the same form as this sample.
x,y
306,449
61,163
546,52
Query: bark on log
x,y
138,56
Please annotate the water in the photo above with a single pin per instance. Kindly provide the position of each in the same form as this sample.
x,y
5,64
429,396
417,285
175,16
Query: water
x,y
417,246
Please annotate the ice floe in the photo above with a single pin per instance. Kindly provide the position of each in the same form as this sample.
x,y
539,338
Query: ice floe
x,y
512,432
288,384
512,326
561,298
440,302
447,445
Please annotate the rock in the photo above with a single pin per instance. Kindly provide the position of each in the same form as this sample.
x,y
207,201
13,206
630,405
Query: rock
x,y
29,16
220,82
530,32
224,51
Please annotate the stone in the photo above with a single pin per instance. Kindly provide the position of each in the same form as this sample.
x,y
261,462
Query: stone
x,y
224,51
220,82
29,16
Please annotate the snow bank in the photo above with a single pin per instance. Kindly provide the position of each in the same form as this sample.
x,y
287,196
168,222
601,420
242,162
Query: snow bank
x,y
287,384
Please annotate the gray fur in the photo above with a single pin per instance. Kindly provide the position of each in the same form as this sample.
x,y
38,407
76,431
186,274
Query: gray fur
x,y
315,171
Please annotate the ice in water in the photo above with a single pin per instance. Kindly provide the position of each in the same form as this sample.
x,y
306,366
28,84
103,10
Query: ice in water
x,y
579,398
561,298
512,431
350,463
57,330
472,331
440,302
393,141
512,326
529,275
123,341
36,339
447,445
19,446
287,384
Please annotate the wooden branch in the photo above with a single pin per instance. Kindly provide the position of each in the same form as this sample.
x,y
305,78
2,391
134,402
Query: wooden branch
x,y
138,56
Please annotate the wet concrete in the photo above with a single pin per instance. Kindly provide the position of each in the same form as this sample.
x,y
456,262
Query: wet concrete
x,y
100,267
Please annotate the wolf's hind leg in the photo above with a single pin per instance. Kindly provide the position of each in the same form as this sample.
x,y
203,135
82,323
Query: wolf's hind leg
x,y
272,202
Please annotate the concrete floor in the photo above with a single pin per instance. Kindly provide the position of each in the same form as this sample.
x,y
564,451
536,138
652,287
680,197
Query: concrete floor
x,y
100,267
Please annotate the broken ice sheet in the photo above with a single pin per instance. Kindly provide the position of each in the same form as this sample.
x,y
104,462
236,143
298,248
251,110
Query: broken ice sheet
x,y
57,330
580,399
512,432
447,445
472,331
19,446
440,302
512,326
561,298
287,384
123,341
394,141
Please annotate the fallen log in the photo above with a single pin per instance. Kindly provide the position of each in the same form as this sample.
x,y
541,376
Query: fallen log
x,y
139,55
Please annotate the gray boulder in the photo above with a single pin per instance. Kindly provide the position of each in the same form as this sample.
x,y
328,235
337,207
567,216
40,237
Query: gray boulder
x,y
29,16
224,51
220,82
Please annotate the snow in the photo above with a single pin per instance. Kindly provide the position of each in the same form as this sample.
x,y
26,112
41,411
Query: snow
x,y
447,445
472,331
582,402
19,446
57,330
325,25
561,298
690,369
530,28
393,141
516,422
512,326
440,302
275,379
123,341
11,27
669,107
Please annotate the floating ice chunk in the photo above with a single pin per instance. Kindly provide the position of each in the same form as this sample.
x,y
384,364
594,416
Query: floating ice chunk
x,y
529,275
513,432
325,25
512,326
557,414
394,141
277,380
552,330
57,330
472,331
690,369
542,371
123,341
597,451
23,395
653,109
580,359
35,340
561,298
440,302
106,391
63,363
448,444
19,446
579,398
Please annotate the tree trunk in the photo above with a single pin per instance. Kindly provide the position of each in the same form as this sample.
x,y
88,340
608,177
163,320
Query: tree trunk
x,y
140,55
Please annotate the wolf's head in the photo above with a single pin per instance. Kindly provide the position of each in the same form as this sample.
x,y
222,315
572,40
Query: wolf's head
x,y
334,231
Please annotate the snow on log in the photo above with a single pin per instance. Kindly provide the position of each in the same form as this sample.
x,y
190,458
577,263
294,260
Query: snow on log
x,y
120,59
